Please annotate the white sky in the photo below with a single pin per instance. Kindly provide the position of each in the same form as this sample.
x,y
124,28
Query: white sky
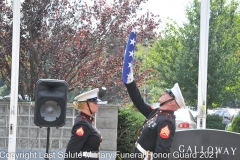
x,y
173,9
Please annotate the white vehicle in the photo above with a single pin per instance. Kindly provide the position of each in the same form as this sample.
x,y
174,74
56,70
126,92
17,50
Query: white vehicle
x,y
185,119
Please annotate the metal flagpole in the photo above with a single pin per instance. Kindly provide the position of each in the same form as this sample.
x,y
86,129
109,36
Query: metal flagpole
x,y
14,80
203,64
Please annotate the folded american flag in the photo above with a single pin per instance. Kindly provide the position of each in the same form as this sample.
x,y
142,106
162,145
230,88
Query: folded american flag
x,y
127,74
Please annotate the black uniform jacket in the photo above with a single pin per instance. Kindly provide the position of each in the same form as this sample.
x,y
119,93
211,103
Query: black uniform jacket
x,y
158,129
85,137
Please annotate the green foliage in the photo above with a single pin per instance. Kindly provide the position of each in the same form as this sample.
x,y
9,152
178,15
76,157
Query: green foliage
x,y
229,127
235,126
129,124
214,122
4,90
1,82
175,56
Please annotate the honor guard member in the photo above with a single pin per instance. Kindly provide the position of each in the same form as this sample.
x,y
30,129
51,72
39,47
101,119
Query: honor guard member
x,y
85,139
159,128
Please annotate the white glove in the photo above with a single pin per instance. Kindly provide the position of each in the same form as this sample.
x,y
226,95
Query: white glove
x,y
130,76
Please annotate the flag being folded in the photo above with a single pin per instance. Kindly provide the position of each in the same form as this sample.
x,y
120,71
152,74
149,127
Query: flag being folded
x,y
127,72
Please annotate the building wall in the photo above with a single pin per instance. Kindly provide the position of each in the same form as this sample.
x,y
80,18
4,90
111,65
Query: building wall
x,y
30,136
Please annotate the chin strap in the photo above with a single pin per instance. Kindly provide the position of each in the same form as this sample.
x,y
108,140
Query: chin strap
x,y
167,101
89,107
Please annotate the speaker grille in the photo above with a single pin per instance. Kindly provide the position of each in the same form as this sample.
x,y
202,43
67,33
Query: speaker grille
x,y
50,111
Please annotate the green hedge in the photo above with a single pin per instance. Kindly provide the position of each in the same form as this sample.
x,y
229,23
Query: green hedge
x,y
129,124
214,122
235,125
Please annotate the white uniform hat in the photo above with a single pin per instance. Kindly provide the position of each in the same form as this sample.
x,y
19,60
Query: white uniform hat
x,y
177,94
91,96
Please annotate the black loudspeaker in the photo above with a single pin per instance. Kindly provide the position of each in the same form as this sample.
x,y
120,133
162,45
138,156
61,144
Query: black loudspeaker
x,y
50,103
102,92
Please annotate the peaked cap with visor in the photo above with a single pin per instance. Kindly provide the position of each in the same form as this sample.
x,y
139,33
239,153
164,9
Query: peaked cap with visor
x,y
91,96
176,93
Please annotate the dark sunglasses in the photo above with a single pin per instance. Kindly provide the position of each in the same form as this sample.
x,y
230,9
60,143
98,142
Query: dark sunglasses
x,y
95,99
170,93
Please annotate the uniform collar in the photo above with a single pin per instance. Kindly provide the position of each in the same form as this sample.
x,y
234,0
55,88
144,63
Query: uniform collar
x,y
166,111
90,118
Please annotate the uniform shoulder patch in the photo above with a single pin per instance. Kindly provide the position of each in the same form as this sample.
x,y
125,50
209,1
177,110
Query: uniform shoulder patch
x,y
165,132
80,131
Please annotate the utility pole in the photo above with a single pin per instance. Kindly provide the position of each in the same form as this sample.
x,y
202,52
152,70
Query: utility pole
x,y
14,80
203,64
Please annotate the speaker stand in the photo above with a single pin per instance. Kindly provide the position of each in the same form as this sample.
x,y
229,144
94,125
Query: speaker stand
x,y
47,147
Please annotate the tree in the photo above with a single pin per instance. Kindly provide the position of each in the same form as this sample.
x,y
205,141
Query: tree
x,y
5,32
162,57
82,43
234,126
176,55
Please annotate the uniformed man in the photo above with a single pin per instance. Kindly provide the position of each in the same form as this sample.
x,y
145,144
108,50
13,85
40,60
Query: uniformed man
x,y
85,139
158,129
